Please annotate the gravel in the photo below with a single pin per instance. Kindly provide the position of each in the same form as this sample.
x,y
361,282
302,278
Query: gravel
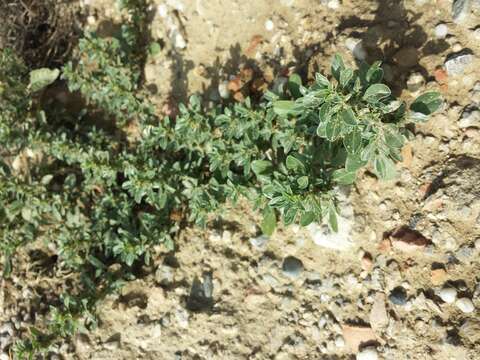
x,y
465,305
369,353
448,295
398,296
292,267
441,31
457,63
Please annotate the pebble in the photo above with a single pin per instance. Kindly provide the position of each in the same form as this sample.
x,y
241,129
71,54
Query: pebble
x,y
292,267
398,296
460,10
339,341
259,242
223,90
369,353
323,236
357,48
333,4
470,118
4,356
457,63
448,295
415,82
471,330
269,25
441,31
164,275
477,244
465,305
438,276
378,313
181,316
464,254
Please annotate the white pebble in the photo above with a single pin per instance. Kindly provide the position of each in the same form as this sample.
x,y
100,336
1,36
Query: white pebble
x,y
339,341
369,353
441,31
162,10
448,295
223,90
465,305
269,25
333,4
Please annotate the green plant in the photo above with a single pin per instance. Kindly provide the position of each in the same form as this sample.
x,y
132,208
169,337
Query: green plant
x,y
101,200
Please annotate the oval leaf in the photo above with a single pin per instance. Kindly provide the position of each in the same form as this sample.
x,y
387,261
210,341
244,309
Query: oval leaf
x,y
41,78
376,93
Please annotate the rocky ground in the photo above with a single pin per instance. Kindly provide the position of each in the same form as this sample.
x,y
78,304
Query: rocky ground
x,y
401,278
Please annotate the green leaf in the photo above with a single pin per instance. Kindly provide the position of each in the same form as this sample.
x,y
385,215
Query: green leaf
x,y
303,182
333,129
321,80
376,93
427,103
154,48
375,73
307,218
337,66
348,116
332,217
284,108
294,84
294,163
41,78
353,163
344,177
261,167
346,76
289,215
269,221
384,167
353,141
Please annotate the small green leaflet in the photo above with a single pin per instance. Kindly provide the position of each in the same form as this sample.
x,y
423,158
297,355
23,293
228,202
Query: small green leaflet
x,y
337,66
353,141
353,163
294,163
376,93
374,73
344,177
345,76
332,217
284,108
302,182
294,84
333,129
348,116
384,167
307,218
427,103
269,221
261,167
41,78
321,80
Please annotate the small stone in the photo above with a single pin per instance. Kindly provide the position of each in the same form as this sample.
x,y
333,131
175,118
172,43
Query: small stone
x,y
464,254
333,4
398,296
292,267
223,90
460,10
441,31
4,356
415,82
356,47
369,353
182,316
269,25
339,341
465,305
164,275
407,240
357,335
457,63
259,242
378,313
407,57
438,276
448,295
367,262
470,118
